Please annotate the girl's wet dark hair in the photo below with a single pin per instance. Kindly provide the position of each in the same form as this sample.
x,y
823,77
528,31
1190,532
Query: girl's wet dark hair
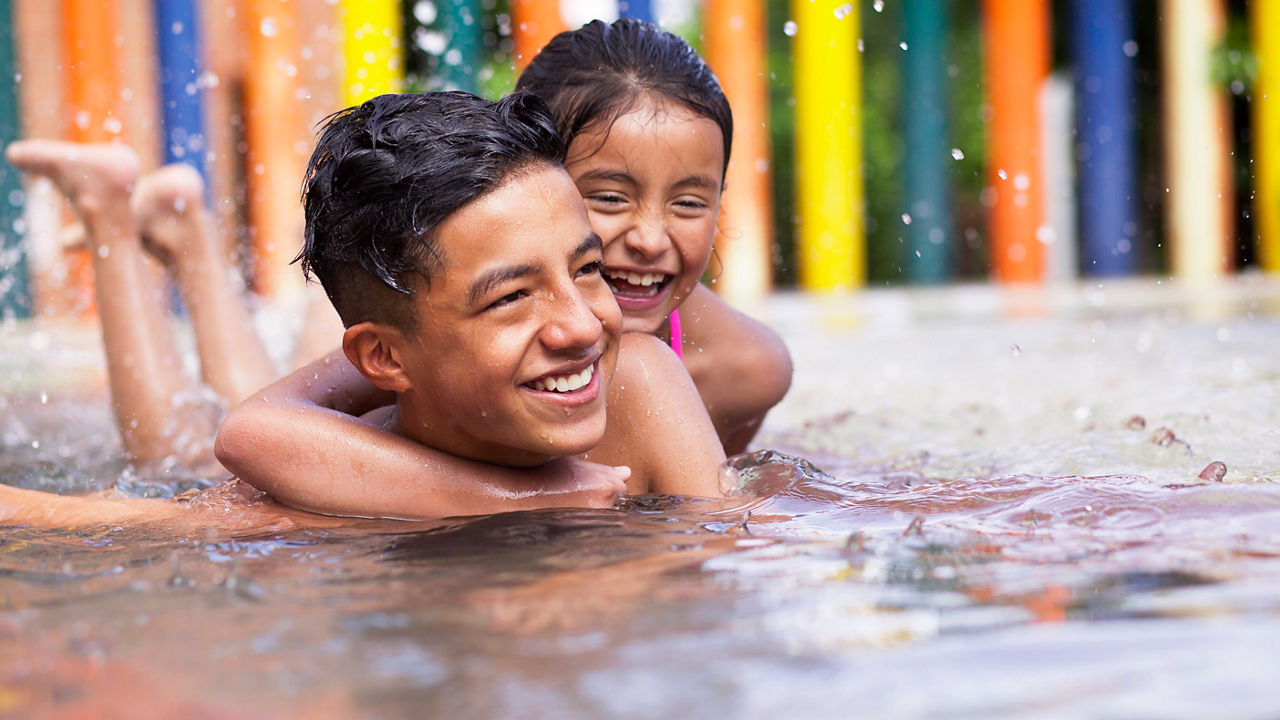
x,y
599,72
386,173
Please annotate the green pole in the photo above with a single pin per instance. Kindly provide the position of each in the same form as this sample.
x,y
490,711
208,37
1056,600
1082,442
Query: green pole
x,y
463,57
15,300
928,159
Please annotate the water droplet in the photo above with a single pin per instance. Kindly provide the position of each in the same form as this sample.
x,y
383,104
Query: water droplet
x,y
843,11
1131,48
789,28
268,27
878,6
903,44
1015,350
906,219
1002,174
957,153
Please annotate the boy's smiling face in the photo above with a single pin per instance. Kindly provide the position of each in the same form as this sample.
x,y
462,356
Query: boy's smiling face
x,y
518,333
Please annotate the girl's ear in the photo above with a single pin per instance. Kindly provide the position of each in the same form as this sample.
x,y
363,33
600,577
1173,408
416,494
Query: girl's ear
x,y
374,348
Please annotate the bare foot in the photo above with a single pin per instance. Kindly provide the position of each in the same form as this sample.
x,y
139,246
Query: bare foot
x,y
94,177
168,207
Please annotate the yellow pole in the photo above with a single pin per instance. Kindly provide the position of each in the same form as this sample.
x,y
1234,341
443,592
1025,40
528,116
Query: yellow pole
x,y
1266,121
372,48
828,145
1196,141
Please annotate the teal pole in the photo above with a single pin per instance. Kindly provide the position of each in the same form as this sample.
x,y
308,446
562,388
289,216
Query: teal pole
x,y
15,298
463,57
927,162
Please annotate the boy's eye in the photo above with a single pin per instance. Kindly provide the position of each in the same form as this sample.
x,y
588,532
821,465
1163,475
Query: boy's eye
x,y
592,268
691,205
608,198
506,299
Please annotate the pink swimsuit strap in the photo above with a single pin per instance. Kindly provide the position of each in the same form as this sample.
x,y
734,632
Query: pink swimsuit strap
x,y
677,337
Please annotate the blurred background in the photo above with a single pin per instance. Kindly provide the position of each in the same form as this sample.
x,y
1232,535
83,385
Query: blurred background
x,y
879,142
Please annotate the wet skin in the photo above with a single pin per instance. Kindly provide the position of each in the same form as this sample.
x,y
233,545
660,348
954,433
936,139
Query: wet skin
x,y
651,182
514,351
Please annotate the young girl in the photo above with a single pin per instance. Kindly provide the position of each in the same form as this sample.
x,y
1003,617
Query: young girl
x,y
648,132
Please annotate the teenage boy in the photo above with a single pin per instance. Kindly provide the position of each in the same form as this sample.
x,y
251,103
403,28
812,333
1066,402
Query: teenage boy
x,y
457,251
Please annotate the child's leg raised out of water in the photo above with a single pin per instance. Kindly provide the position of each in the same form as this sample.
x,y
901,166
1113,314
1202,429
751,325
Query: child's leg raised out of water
x,y
159,410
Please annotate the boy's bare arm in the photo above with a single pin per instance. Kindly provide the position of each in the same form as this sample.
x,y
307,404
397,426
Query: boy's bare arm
x,y
658,425
298,441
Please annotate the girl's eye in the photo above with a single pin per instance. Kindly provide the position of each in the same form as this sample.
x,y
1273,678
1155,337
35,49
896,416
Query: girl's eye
x,y
506,300
691,205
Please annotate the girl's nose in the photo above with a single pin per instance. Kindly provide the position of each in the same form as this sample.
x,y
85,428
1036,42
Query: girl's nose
x,y
647,238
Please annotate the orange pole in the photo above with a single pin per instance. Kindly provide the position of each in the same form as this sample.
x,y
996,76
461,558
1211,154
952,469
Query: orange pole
x,y
736,48
95,77
535,22
1017,59
277,142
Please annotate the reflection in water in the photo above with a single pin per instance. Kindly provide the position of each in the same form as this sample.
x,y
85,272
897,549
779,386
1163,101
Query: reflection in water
x,y
982,533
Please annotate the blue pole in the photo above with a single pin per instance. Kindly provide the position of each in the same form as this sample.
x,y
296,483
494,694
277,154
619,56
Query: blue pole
x,y
1103,48
181,97
15,299
638,9
928,160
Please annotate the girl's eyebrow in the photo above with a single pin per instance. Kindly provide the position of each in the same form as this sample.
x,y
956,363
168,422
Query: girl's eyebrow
x,y
696,181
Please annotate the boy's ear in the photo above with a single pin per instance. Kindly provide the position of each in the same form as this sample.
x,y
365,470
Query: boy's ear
x,y
374,348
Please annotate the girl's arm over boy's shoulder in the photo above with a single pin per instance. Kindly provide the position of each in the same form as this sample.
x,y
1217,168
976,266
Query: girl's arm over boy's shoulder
x,y
741,367
298,441
657,424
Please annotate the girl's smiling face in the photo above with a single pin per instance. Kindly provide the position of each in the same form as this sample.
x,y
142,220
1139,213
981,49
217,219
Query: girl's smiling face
x,y
652,183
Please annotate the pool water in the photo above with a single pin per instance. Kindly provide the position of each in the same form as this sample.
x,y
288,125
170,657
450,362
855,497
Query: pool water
x,y
974,502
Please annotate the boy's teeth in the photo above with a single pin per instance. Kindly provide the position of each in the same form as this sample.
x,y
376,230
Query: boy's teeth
x,y
564,383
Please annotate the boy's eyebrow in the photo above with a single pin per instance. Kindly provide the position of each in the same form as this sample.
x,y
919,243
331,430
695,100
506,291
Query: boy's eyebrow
x,y
591,242
497,276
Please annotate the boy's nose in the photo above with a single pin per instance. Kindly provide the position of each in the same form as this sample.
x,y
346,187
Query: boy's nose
x,y
571,323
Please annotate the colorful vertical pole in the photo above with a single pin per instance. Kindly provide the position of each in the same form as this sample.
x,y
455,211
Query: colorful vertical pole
x,y
372,48
736,50
1017,58
277,145
643,10
181,97
1196,147
926,177
1265,26
464,56
15,299
831,238
1102,50
94,76
535,22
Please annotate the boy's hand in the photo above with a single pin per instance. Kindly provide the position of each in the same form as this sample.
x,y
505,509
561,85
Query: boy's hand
x,y
574,482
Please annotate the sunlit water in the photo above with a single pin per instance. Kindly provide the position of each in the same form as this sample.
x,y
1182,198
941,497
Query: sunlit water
x,y
1001,513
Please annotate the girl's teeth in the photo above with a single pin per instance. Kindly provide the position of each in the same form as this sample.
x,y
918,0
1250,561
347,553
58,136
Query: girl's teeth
x,y
565,383
643,280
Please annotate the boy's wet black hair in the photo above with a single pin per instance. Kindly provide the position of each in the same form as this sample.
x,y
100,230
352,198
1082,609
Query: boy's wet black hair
x,y
596,74
386,173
